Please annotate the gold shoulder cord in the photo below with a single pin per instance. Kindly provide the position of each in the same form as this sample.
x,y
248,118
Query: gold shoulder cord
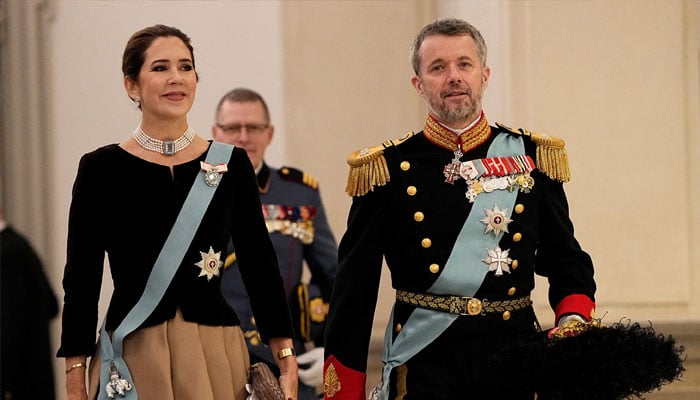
x,y
304,320
368,168
551,157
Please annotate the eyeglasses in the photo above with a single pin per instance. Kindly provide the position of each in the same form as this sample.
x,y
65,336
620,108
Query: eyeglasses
x,y
236,129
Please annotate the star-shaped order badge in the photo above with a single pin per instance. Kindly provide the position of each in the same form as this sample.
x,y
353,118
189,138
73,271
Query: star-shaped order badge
x,y
210,263
496,220
498,261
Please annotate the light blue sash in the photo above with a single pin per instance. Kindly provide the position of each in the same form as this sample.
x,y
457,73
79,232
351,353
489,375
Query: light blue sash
x,y
164,269
462,275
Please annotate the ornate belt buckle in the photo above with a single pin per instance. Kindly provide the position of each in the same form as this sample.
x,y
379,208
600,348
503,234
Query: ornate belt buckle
x,y
471,306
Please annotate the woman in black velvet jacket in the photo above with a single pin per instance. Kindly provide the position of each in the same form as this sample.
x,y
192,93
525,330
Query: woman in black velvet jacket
x,y
126,198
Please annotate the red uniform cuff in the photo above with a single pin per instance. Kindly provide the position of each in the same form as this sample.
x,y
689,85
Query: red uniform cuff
x,y
575,304
341,382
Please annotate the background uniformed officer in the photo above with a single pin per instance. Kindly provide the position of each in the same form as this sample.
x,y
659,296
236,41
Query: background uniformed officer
x,y
296,220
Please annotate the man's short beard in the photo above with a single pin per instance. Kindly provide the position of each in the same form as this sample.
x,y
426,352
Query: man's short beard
x,y
458,114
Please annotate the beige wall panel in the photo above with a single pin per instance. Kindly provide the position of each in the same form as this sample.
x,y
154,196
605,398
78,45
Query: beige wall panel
x,y
347,85
610,78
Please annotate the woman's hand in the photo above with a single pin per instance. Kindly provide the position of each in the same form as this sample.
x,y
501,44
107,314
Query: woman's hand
x,y
75,378
289,371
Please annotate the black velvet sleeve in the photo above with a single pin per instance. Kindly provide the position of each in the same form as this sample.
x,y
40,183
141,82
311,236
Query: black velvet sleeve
x,y
84,262
352,307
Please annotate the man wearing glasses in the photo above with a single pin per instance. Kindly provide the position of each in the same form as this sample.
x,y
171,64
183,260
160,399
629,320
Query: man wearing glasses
x,y
296,220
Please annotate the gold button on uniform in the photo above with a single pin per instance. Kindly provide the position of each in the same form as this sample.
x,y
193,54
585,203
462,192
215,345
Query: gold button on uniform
x,y
398,327
506,315
514,264
511,291
411,190
405,165
517,237
519,208
426,243
418,216
434,268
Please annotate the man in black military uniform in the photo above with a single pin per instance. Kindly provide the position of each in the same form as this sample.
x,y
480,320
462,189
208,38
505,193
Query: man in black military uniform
x,y
299,230
465,214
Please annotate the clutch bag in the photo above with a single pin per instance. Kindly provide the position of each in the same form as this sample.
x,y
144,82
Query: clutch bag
x,y
263,384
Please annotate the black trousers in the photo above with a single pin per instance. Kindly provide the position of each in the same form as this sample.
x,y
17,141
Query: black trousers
x,y
456,366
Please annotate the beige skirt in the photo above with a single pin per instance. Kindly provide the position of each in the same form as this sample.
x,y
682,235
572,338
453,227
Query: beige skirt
x,y
181,360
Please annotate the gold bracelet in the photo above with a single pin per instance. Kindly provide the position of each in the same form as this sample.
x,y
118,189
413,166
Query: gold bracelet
x,y
74,366
286,352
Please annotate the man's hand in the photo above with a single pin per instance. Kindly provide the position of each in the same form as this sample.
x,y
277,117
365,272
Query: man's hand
x,y
569,325
311,367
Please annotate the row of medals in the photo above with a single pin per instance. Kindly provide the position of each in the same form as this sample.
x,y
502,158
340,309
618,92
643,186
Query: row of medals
x,y
496,220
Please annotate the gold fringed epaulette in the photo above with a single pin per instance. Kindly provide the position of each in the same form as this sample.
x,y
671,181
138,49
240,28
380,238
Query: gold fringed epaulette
x,y
551,157
368,168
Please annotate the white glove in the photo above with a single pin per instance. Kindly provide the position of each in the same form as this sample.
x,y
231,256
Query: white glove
x,y
312,374
569,318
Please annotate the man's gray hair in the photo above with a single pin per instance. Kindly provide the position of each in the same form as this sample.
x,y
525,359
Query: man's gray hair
x,y
447,27
244,95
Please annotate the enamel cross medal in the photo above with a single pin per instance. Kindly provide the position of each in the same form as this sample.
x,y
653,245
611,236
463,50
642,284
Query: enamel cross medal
x,y
451,170
498,260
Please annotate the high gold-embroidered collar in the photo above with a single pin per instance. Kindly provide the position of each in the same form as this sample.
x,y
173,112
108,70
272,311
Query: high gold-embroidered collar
x,y
466,141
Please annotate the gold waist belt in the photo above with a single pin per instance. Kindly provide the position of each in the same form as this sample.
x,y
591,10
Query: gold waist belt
x,y
461,305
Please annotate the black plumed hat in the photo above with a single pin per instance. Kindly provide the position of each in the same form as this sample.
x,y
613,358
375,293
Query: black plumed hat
x,y
592,361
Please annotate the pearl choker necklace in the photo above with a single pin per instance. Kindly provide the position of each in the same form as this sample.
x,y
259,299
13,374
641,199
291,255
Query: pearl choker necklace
x,y
166,147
